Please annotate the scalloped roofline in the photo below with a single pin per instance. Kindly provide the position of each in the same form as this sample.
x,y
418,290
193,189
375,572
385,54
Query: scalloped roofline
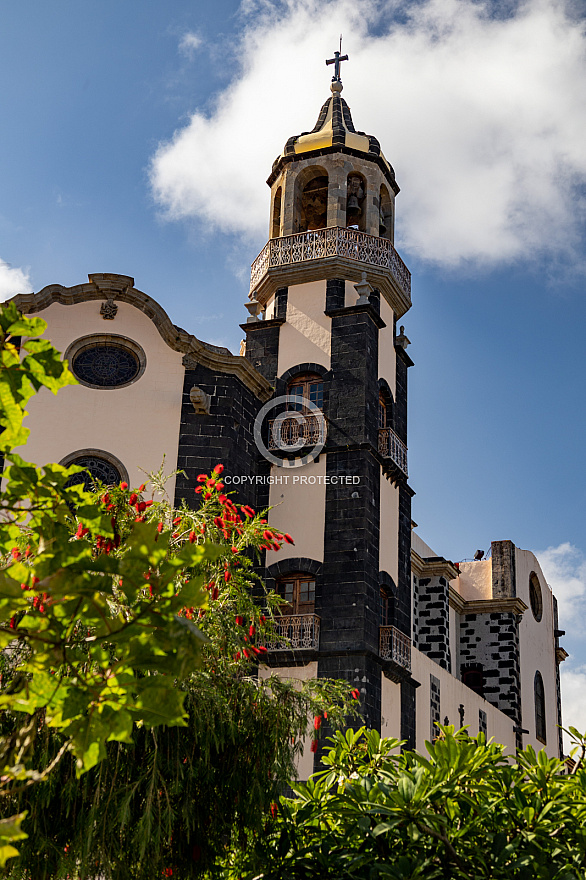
x,y
104,286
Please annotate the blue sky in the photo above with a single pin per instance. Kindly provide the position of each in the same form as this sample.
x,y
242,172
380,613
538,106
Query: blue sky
x,y
137,137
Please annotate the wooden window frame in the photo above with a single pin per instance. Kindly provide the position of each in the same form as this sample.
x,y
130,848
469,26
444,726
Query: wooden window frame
x,y
304,381
297,605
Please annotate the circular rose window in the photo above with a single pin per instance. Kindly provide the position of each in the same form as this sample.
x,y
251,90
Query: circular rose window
x,y
535,597
106,362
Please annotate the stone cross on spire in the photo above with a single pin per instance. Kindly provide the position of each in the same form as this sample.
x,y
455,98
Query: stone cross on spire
x,y
336,61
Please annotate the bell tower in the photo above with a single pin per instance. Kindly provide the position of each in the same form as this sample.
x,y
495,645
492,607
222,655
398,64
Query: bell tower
x,y
325,296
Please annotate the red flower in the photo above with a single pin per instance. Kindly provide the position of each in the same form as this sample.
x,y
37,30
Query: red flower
x,y
35,580
260,650
252,630
355,693
202,528
215,593
192,537
77,535
313,745
219,522
227,577
219,487
237,655
124,486
106,498
239,620
160,527
223,499
210,483
234,549
207,496
141,506
289,539
247,510
274,809
141,487
149,503
202,478
198,490
317,722
133,499
15,553
268,535
218,468
246,653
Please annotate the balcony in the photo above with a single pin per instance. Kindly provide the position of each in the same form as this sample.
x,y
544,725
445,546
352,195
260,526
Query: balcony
x,y
396,646
295,632
391,446
290,434
335,245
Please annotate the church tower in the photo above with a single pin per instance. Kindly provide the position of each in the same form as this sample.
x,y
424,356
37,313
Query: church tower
x,y
326,293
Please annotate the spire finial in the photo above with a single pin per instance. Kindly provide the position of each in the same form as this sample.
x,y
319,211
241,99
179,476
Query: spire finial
x,y
336,60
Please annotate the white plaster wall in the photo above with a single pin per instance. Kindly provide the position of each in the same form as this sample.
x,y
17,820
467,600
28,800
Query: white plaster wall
x,y
420,547
390,708
305,337
138,424
299,508
389,528
475,581
537,650
452,694
387,359
299,674
270,308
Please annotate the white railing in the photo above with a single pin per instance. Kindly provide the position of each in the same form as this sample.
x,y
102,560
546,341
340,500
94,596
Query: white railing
x,y
395,645
295,632
391,446
293,433
333,241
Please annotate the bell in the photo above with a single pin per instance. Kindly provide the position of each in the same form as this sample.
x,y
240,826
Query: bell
x,y
381,227
353,207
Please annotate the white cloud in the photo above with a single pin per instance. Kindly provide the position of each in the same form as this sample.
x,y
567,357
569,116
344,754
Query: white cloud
x,y
190,43
13,281
483,118
573,683
564,568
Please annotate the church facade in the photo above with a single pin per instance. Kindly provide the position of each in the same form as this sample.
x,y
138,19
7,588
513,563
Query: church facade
x,y
311,420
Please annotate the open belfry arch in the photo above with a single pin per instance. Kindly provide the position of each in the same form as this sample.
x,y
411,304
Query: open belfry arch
x,y
311,421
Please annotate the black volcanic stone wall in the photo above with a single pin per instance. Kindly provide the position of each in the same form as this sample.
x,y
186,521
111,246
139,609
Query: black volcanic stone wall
x,y
491,640
504,580
408,715
335,294
262,345
400,408
349,604
224,435
403,606
281,299
433,634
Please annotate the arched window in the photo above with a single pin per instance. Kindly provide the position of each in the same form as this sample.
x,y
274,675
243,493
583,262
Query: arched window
x,y
276,227
355,201
382,412
307,386
535,597
385,214
100,468
298,593
472,676
539,692
314,204
387,608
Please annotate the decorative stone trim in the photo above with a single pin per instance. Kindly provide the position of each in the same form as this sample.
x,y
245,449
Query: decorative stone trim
x,y
489,606
298,369
106,286
294,565
104,339
98,453
433,566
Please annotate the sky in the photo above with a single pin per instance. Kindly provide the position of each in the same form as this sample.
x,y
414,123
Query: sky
x,y
137,137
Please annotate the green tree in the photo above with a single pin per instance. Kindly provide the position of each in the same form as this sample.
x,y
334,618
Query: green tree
x,y
136,743
464,811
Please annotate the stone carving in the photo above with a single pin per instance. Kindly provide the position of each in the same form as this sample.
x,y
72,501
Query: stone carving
x,y
109,310
200,401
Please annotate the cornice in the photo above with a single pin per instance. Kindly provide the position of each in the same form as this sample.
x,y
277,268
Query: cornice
x,y
513,605
433,566
104,286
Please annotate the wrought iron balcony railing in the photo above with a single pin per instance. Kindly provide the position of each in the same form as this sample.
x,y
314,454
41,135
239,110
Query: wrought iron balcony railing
x,y
295,432
295,632
396,646
391,446
332,241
